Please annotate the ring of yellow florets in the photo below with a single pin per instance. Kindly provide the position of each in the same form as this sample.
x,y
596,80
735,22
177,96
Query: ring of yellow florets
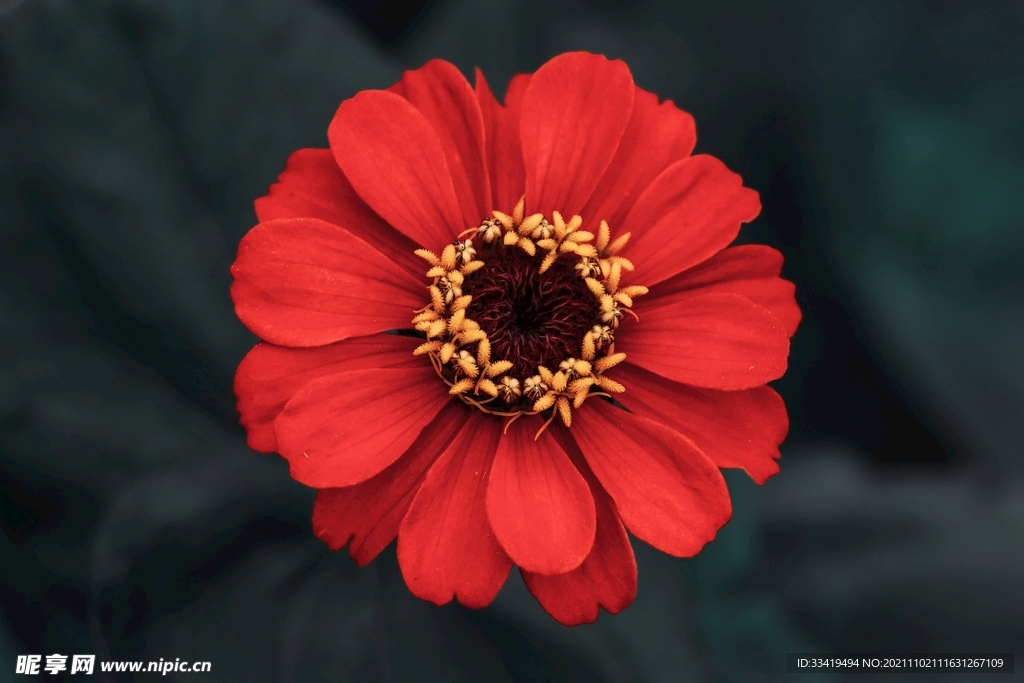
x,y
461,352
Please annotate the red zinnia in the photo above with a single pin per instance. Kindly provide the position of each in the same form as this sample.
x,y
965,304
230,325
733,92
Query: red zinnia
x,y
558,384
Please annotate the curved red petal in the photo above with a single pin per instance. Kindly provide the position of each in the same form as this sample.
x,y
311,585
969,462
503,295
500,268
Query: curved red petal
x,y
607,577
504,151
306,282
270,375
746,261
538,503
687,214
365,517
344,428
446,548
741,429
773,293
750,270
441,93
394,159
718,341
668,493
574,113
657,136
312,186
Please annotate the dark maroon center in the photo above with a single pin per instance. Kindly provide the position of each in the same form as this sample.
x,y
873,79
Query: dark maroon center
x,y
530,318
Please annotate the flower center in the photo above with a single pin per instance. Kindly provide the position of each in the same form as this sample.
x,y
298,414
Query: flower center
x,y
530,318
527,324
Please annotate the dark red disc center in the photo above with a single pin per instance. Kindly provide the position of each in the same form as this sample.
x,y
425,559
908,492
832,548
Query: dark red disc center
x,y
531,318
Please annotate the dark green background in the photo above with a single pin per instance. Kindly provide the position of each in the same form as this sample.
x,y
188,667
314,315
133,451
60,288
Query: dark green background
x,y
886,139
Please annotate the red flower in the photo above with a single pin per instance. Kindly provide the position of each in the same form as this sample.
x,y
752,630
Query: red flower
x,y
488,437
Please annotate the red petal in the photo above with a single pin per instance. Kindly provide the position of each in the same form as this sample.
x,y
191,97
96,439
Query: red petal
x,y
441,93
306,282
657,136
312,186
366,516
270,375
446,547
775,294
718,341
690,212
734,428
746,261
607,578
668,493
342,429
575,110
504,151
538,504
394,160
750,270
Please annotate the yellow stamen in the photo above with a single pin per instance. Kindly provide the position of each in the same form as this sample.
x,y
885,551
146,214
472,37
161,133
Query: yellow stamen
x,y
436,328
588,348
609,362
616,246
437,298
519,210
624,262
559,381
548,261
530,224
468,364
635,290
560,229
488,387
428,256
604,234
610,385
483,351
544,402
594,286
495,369
426,347
455,322
448,257
504,219
564,412
461,387
614,276
425,316
580,236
